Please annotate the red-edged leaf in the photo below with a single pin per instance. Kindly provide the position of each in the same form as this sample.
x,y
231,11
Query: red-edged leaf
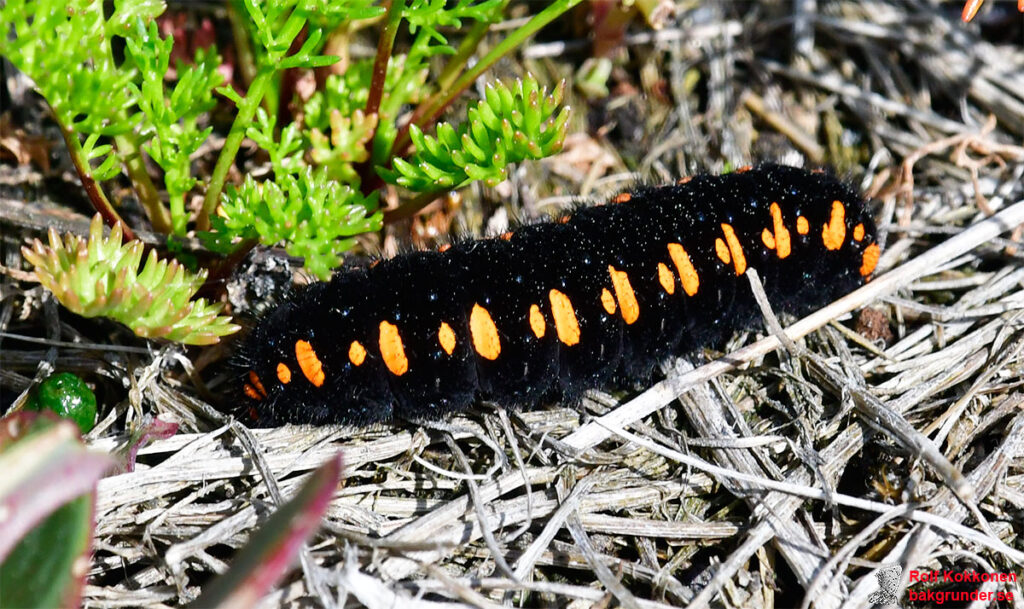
x,y
155,430
48,567
46,510
44,466
274,547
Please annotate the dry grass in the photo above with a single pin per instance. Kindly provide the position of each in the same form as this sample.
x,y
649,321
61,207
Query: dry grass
x,y
765,478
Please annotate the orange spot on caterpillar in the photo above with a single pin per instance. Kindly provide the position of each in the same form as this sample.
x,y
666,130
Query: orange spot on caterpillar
x,y
255,380
507,236
687,274
622,198
624,294
802,226
311,366
738,259
392,349
446,336
251,392
375,263
607,301
665,278
723,251
744,169
834,233
858,232
484,333
870,259
563,219
566,324
284,373
444,247
780,232
537,323
768,239
971,9
356,353
685,180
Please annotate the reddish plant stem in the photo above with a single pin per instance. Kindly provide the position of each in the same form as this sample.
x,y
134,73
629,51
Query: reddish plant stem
x,y
96,195
385,45
409,209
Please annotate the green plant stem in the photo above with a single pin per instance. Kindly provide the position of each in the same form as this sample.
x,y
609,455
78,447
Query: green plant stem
x,y
148,196
466,49
290,31
96,194
128,148
246,112
292,27
429,110
180,220
243,119
243,41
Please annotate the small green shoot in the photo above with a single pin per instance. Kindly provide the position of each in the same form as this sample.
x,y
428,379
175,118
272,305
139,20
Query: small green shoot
x,y
173,115
314,216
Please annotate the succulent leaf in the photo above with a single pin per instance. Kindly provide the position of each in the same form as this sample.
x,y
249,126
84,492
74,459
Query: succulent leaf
x,y
100,277
510,125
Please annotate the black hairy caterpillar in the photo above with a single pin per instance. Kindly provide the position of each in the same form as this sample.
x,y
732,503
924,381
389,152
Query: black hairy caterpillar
x,y
555,308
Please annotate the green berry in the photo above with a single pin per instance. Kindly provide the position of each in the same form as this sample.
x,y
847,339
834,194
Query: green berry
x,y
69,397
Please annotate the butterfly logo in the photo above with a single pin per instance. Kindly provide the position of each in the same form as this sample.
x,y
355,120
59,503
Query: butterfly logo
x,y
888,583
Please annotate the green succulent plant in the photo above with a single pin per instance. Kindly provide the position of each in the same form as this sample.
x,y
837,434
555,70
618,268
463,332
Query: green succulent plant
x,y
315,217
313,214
103,69
510,125
100,276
